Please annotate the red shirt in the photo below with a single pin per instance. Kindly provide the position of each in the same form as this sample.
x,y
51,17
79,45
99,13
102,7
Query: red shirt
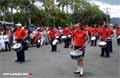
x,y
79,38
20,34
118,31
66,31
104,34
93,31
70,31
110,32
58,33
52,34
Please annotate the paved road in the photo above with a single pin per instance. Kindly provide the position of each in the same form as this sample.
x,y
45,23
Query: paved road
x,y
45,64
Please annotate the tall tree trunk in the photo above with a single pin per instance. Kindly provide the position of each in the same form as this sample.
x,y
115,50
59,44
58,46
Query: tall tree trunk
x,y
12,19
63,8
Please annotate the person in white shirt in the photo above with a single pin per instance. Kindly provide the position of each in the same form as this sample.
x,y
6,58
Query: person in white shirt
x,y
6,42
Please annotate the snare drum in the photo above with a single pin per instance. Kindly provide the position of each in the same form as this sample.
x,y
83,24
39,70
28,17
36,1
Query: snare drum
x,y
102,44
76,54
17,47
57,37
38,41
64,37
118,37
93,38
69,36
55,42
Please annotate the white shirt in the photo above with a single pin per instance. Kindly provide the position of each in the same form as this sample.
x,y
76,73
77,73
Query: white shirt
x,y
5,37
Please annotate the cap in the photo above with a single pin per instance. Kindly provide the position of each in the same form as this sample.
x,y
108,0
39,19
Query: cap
x,y
19,24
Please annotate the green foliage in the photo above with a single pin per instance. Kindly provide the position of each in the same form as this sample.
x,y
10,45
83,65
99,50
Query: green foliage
x,y
50,13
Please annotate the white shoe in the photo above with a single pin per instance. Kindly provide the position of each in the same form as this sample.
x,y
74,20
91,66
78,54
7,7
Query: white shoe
x,y
81,72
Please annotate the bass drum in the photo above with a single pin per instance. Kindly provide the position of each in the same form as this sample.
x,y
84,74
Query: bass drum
x,y
17,47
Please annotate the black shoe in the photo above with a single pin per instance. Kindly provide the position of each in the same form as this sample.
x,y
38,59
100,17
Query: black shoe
x,y
81,75
76,72
107,56
101,55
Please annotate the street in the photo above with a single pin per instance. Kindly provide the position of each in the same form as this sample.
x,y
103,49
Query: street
x,y
43,63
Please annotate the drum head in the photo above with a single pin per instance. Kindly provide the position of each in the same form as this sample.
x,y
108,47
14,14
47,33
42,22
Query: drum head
x,y
93,38
63,37
69,36
17,45
55,42
76,53
57,36
38,41
102,43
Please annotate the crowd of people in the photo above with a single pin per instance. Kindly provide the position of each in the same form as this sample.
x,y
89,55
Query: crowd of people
x,y
76,37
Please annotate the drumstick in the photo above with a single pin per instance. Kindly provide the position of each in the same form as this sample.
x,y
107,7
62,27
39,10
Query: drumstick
x,y
78,48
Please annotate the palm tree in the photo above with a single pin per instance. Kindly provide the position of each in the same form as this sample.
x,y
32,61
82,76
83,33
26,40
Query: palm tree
x,y
63,4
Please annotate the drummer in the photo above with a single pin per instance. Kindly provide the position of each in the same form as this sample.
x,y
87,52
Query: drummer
x,y
109,40
20,36
66,32
118,35
94,33
38,37
104,36
52,35
79,41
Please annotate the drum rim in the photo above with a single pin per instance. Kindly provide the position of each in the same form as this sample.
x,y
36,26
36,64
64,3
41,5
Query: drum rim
x,y
14,47
80,53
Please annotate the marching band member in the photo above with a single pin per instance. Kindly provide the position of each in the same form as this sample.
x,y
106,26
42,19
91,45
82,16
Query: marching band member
x,y
58,35
38,38
110,35
67,31
94,33
20,36
70,34
104,36
80,40
87,29
52,35
118,35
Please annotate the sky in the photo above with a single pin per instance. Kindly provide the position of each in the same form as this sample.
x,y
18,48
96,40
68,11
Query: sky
x,y
113,6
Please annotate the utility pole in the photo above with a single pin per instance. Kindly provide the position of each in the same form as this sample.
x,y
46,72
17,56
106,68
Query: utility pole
x,y
107,15
29,16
